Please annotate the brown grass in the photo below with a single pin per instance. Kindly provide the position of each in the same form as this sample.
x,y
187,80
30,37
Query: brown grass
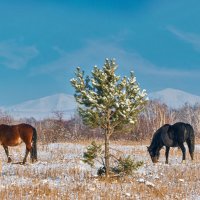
x,y
60,174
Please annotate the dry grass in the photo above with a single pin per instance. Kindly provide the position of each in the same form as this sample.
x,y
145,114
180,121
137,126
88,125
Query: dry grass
x,y
60,174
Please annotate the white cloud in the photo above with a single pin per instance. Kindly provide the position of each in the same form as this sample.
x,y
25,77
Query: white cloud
x,y
14,55
95,52
191,38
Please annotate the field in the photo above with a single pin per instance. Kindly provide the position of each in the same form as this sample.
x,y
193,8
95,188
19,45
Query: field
x,y
60,174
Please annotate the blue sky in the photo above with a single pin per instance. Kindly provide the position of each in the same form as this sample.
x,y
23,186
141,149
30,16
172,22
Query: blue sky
x,y
43,41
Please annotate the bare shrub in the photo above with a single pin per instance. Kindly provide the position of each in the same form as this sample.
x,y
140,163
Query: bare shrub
x,y
155,115
190,114
57,129
53,130
5,118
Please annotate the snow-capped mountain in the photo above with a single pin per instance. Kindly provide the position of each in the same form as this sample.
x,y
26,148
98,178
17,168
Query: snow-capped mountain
x,y
174,98
44,107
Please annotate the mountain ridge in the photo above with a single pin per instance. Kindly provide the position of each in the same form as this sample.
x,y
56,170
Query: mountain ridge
x,y
44,107
174,98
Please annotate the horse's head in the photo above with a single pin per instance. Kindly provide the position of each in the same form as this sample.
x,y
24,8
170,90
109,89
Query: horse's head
x,y
154,154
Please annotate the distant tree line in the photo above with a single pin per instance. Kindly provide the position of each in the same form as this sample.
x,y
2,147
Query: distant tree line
x,y
57,129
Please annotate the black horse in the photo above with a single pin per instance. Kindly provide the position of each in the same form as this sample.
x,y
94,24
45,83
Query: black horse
x,y
172,136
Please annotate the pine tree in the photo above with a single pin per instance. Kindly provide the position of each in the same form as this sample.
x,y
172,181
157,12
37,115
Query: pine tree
x,y
108,101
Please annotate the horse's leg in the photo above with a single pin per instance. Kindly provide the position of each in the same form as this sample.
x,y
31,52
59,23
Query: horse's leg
x,y
7,153
191,148
183,151
167,154
28,148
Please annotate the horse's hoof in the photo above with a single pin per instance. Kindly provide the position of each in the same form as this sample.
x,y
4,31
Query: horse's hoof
x,y
34,160
183,162
9,160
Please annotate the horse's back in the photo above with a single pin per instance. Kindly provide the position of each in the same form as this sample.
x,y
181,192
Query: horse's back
x,y
15,128
182,131
12,135
24,126
167,136
9,135
25,131
8,129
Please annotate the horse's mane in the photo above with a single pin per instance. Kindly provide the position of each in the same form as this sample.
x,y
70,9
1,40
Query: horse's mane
x,y
157,134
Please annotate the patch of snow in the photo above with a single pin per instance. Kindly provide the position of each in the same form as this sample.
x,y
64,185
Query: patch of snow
x,y
150,184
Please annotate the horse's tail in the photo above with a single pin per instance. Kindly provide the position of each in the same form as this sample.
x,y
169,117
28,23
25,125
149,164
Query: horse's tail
x,y
191,139
34,146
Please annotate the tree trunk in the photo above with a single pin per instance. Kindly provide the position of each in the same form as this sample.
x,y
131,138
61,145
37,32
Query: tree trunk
x,y
107,153
108,133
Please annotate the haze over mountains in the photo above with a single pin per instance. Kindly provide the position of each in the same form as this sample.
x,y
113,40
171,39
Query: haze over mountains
x,y
174,98
44,107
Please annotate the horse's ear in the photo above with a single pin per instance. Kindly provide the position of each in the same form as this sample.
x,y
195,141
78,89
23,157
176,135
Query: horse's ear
x,y
147,148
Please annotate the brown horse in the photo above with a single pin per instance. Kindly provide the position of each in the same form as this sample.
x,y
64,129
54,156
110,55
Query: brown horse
x,y
15,135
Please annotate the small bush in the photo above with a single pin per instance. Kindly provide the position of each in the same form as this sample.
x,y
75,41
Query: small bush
x,y
93,152
124,165
127,165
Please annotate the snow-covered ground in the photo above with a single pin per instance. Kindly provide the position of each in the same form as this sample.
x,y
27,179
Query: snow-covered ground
x,y
60,174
